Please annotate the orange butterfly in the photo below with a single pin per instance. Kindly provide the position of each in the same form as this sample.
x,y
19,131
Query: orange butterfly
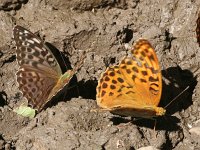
x,y
134,87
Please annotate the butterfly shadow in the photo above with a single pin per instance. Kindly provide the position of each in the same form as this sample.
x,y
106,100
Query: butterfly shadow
x,y
158,123
3,97
87,89
60,57
84,89
179,81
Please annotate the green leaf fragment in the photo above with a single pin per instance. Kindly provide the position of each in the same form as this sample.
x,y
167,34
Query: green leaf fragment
x,y
25,111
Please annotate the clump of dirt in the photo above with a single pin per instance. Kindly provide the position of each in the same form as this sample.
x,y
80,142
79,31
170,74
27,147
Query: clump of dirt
x,y
104,28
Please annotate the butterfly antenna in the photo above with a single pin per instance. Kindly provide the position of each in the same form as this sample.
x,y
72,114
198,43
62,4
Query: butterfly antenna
x,y
177,96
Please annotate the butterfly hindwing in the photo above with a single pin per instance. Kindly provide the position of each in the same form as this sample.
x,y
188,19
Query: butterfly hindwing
x,y
32,85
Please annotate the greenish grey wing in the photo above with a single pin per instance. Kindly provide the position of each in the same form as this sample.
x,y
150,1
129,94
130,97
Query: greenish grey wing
x,y
39,70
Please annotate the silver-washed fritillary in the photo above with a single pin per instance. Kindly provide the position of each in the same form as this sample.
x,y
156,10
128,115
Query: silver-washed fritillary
x,y
40,76
134,87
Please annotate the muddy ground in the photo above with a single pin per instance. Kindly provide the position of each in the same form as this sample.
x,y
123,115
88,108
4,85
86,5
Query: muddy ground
x,y
104,27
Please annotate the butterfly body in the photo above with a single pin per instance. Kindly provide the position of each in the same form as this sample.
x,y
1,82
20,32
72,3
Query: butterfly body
x,y
40,76
133,88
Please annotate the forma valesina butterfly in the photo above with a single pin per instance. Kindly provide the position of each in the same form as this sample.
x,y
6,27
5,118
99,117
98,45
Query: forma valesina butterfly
x,y
39,76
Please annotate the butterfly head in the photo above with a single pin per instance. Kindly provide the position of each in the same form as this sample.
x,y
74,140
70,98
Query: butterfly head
x,y
160,111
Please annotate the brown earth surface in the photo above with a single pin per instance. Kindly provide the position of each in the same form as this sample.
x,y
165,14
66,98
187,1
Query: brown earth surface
x,y
104,27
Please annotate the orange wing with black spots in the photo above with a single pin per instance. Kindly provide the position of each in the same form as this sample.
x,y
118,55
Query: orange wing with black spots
x,y
134,87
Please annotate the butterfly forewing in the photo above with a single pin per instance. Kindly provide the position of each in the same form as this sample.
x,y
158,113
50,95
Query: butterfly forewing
x,y
148,72
39,71
32,51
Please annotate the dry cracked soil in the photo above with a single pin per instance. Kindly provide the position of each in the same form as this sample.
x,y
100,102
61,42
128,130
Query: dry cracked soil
x,y
105,27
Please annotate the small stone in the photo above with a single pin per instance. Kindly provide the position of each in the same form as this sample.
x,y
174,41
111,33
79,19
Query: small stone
x,y
147,148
